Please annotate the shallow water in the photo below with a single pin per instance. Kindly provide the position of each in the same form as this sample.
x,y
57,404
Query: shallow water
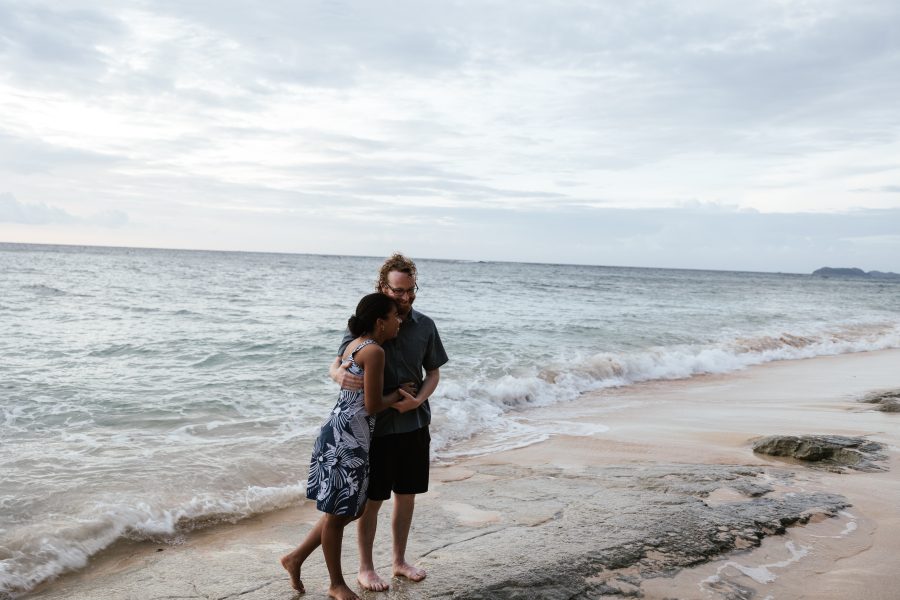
x,y
146,392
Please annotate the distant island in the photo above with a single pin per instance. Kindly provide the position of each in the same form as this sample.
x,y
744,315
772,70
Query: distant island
x,y
855,273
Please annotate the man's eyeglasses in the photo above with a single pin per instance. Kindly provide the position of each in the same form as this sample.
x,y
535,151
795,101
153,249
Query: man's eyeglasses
x,y
400,291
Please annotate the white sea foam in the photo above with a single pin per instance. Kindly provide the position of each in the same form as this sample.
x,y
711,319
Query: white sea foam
x,y
44,552
849,527
11,415
471,407
761,573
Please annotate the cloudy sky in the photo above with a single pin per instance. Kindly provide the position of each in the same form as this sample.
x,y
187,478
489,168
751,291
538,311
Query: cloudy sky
x,y
757,135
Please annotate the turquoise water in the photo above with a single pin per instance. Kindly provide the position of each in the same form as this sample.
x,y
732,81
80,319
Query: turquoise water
x,y
147,392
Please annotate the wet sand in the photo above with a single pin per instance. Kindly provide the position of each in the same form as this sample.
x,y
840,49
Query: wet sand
x,y
477,527
711,419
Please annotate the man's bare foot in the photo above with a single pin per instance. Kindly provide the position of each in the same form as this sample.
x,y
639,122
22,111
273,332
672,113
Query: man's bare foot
x,y
410,572
372,582
342,592
293,569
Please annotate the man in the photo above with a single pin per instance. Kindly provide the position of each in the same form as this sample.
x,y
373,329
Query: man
x,y
399,456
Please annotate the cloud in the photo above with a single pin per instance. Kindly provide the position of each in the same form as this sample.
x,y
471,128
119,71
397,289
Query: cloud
x,y
29,155
885,189
506,126
56,45
13,211
706,237
619,86
892,240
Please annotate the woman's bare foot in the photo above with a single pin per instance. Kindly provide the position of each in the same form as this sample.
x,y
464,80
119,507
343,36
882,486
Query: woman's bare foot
x,y
293,568
412,573
342,592
371,581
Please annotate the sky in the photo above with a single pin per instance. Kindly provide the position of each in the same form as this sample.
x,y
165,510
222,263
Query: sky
x,y
759,136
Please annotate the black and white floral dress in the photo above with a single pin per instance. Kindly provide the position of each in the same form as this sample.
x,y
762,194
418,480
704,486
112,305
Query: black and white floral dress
x,y
339,468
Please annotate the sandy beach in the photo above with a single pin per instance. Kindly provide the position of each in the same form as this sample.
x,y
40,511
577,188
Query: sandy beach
x,y
655,493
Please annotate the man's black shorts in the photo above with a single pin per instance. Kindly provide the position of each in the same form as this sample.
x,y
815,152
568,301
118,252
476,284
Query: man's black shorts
x,y
399,462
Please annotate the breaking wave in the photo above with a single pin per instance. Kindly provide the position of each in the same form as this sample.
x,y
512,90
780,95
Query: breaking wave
x,y
479,405
44,552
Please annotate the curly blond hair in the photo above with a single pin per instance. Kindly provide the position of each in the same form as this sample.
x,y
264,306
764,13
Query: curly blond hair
x,y
397,262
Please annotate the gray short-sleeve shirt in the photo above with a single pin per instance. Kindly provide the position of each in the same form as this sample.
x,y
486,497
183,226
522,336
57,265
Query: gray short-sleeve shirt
x,y
416,349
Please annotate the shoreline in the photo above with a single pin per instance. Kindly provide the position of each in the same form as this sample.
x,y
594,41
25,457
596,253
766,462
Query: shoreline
x,y
546,494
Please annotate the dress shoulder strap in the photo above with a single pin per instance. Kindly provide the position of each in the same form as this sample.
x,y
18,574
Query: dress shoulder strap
x,y
361,346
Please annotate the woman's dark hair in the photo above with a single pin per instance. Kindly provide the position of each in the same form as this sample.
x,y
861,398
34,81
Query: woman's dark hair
x,y
370,309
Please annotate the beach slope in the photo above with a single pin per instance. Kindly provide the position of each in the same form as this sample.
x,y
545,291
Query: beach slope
x,y
664,498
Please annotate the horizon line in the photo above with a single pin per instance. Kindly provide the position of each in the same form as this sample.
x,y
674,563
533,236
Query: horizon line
x,y
475,261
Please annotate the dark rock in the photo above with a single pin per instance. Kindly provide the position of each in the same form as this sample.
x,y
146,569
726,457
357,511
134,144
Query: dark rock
x,y
619,525
832,452
888,401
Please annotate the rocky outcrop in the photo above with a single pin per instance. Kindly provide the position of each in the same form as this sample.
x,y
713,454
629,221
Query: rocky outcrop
x,y
832,452
855,273
839,272
886,401
511,532
607,529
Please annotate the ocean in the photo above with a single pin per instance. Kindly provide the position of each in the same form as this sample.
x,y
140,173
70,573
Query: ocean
x,y
146,393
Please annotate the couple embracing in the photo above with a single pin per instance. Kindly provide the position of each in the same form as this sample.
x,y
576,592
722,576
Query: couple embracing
x,y
376,440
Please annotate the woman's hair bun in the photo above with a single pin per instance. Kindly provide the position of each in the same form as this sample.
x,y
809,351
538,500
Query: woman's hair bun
x,y
371,308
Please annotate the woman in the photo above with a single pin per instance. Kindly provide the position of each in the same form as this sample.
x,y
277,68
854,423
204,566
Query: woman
x,y
339,468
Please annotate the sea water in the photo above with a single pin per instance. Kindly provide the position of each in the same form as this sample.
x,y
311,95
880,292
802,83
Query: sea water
x,y
145,393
